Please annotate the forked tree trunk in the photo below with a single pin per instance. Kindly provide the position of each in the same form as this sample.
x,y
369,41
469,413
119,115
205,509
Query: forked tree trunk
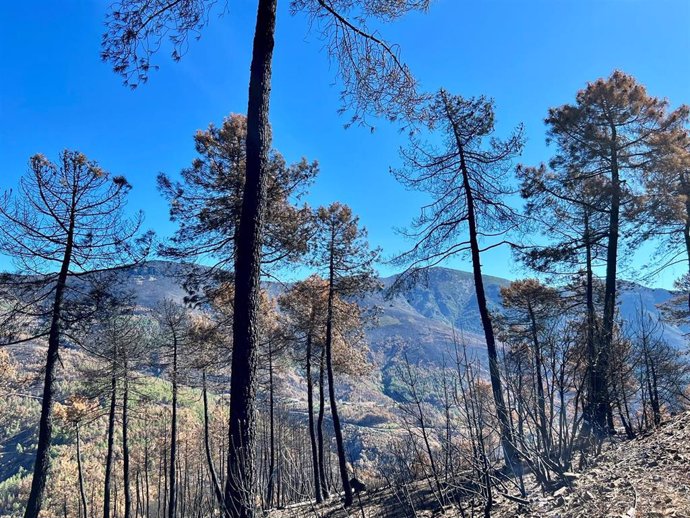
x,y
342,461
240,486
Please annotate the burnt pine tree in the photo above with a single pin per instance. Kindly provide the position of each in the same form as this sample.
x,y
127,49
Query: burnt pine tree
x,y
305,308
207,202
612,133
135,29
529,306
340,251
569,211
65,221
465,177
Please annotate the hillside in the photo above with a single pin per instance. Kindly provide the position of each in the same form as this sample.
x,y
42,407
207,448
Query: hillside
x,y
644,477
425,316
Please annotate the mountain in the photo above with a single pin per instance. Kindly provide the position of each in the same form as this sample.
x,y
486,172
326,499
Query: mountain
x,y
424,318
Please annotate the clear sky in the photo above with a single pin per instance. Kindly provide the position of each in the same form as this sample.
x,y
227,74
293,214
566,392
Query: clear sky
x,y
528,55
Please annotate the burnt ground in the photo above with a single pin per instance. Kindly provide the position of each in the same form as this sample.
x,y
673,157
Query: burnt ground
x,y
648,476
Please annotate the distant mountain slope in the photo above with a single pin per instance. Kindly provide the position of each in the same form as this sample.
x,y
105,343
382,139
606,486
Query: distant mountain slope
x,y
424,318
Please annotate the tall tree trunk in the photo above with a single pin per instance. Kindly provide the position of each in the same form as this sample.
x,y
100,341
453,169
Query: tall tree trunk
x,y
312,435
172,503
509,450
218,492
319,424
125,444
82,490
592,337
45,427
240,486
342,461
111,439
600,396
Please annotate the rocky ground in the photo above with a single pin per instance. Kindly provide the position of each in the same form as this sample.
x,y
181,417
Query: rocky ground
x,y
648,476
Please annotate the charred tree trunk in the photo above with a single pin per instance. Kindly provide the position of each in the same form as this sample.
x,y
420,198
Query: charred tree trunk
x,y
45,427
538,367
600,397
240,476
111,439
82,490
342,461
125,445
172,503
312,435
319,424
509,450
217,491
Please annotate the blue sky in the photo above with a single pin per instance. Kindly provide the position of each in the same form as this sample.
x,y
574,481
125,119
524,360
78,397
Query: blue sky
x,y
528,55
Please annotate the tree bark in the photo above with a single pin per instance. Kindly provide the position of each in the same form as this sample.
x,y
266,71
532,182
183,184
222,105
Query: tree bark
x,y
240,486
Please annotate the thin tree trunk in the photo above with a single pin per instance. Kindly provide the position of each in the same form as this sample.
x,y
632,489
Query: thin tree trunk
x,y
45,427
342,461
82,490
592,339
218,492
312,435
172,503
509,450
319,424
240,484
541,402
109,456
125,445
272,440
